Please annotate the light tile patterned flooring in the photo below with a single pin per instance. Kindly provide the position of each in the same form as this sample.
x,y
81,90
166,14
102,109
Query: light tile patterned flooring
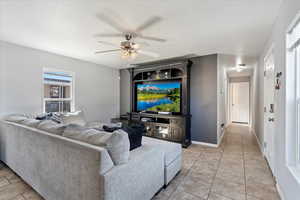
x,y
234,171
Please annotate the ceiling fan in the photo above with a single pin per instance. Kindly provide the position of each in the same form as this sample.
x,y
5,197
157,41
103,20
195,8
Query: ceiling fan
x,y
128,47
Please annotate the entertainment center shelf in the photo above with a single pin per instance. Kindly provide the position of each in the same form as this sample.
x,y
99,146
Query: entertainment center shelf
x,y
160,99
167,127
162,74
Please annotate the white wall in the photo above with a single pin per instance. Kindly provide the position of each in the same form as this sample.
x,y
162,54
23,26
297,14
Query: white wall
x,y
288,184
21,68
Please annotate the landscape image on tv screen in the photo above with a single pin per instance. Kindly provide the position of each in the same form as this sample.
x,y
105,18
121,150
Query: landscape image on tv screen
x,y
159,97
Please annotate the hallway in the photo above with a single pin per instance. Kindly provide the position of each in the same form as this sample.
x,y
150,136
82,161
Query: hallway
x,y
234,171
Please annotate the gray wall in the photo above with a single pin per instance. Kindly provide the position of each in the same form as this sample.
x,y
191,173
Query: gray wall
x,y
21,82
203,98
124,91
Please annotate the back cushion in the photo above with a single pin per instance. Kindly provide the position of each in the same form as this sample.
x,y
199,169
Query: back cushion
x,y
17,118
91,136
116,143
52,127
31,122
73,118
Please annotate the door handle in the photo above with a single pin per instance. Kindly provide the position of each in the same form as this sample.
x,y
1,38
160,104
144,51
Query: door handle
x,y
271,119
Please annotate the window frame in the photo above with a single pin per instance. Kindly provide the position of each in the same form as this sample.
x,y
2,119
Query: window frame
x,y
292,104
72,90
297,101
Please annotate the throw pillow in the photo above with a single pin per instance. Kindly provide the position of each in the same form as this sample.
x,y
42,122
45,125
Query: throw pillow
x,y
118,147
73,118
135,134
44,116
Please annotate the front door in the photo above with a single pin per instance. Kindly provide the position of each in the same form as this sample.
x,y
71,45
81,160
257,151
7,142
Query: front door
x,y
269,89
240,102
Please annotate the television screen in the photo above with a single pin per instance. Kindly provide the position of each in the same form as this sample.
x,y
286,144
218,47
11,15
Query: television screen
x,y
159,97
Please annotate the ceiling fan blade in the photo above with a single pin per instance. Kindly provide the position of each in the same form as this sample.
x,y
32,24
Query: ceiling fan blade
x,y
109,35
112,23
144,44
148,53
148,23
152,38
107,51
108,43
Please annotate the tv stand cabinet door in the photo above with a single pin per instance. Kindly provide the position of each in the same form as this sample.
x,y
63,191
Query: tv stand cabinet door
x,y
176,133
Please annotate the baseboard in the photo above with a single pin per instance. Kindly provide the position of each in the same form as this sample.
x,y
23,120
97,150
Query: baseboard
x,y
258,142
220,140
205,144
282,197
210,144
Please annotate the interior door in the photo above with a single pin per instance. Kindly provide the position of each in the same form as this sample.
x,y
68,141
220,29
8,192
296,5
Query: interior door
x,y
269,91
240,103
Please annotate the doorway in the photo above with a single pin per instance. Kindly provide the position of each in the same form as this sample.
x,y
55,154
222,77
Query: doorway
x,y
269,92
240,102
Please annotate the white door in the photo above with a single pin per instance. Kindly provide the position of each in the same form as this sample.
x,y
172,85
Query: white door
x,y
269,89
240,102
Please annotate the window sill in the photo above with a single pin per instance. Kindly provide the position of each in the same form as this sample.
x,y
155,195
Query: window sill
x,y
295,171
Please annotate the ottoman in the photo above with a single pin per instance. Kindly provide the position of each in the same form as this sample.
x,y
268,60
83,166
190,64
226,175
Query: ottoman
x,y
172,156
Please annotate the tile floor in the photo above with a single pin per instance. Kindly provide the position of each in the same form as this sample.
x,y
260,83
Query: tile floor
x,y
234,171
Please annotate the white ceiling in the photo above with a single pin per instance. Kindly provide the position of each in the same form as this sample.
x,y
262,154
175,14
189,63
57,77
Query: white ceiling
x,y
243,73
67,27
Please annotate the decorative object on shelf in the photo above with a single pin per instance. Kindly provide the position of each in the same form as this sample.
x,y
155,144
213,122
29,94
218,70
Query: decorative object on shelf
x,y
278,81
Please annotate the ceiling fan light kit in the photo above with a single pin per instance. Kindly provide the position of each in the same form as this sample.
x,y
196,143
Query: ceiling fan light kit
x,y
128,48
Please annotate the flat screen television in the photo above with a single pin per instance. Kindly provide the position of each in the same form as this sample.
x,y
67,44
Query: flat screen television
x,y
159,97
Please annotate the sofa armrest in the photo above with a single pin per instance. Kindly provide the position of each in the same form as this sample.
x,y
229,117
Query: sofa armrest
x,y
138,179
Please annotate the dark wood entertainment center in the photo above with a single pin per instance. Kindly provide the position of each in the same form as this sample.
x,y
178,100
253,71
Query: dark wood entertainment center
x,y
167,126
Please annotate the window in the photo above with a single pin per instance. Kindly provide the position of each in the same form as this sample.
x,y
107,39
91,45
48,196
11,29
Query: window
x,y
293,95
58,91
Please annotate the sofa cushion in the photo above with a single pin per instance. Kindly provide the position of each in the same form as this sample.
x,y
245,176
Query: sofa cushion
x,y
17,118
73,118
31,122
51,127
135,134
95,125
91,136
116,143
171,150
118,147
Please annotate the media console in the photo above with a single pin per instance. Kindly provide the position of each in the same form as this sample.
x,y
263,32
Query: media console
x,y
168,126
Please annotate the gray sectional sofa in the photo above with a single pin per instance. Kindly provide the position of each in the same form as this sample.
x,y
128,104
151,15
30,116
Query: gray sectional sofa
x,y
61,168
